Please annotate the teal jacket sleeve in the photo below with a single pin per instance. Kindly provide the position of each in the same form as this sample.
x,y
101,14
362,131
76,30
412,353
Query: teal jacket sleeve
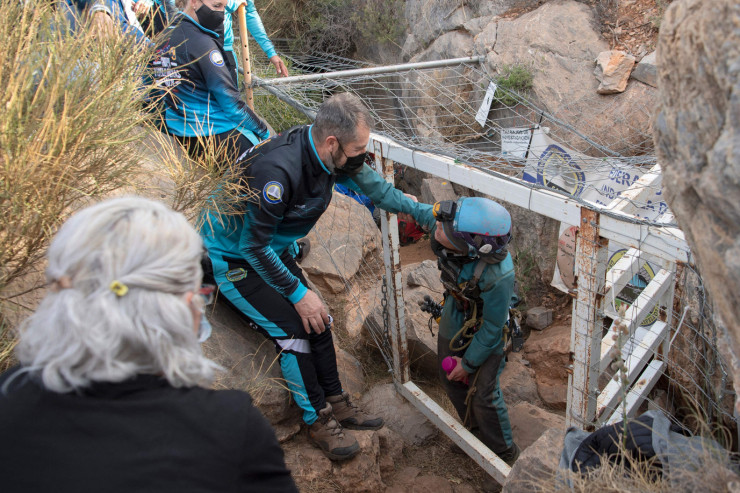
x,y
497,287
386,196
257,30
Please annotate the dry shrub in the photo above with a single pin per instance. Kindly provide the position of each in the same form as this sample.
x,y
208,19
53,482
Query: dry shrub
x,y
76,126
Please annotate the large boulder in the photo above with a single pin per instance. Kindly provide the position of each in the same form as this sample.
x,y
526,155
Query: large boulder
x,y
518,382
366,472
697,137
400,416
344,236
250,362
529,423
549,354
536,465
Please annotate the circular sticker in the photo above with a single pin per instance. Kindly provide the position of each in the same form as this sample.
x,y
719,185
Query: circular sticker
x,y
236,274
634,287
272,192
216,58
556,169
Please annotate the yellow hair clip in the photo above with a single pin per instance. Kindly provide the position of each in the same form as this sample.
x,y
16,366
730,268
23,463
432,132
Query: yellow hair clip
x,y
118,288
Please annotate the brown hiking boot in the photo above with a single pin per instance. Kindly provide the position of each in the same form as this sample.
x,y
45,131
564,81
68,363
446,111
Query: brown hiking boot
x,y
351,416
327,434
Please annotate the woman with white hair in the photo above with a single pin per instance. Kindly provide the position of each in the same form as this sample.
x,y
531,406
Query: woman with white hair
x,y
107,396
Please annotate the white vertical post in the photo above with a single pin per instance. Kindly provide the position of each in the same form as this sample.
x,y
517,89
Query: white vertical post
x,y
394,281
585,340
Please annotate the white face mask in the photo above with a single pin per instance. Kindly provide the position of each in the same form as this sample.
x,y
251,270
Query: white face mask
x,y
205,328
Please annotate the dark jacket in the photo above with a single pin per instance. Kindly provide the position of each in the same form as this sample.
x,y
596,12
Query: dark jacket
x,y
293,188
202,98
141,435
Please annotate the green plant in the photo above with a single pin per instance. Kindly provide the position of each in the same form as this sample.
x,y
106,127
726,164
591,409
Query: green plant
x,y
525,271
379,21
312,25
516,78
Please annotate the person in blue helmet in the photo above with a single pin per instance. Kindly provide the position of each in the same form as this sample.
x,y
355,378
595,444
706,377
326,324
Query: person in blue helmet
x,y
253,257
202,104
470,239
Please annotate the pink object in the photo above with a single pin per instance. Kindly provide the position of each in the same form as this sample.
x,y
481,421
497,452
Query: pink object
x,y
449,364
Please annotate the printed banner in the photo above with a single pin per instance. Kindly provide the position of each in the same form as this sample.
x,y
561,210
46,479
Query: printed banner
x,y
597,180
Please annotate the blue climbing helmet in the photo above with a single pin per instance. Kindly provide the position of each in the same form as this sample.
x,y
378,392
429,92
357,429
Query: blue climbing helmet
x,y
475,225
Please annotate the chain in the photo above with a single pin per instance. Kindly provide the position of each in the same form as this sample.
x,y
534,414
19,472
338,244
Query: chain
x,y
386,314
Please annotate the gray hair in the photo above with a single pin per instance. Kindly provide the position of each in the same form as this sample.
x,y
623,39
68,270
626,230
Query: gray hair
x,y
341,115
84,332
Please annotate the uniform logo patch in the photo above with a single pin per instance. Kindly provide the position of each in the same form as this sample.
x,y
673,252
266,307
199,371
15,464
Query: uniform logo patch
x,y
216,58
236,274
273,192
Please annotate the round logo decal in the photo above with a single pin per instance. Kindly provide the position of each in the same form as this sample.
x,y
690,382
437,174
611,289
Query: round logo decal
x,y
236,274
272,192
634,287
216,58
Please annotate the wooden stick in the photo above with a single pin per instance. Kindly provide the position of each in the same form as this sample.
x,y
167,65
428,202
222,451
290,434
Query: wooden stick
x,y
242,15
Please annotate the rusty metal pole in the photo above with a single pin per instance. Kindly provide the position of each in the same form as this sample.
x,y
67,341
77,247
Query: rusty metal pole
x,y
588,322
394,281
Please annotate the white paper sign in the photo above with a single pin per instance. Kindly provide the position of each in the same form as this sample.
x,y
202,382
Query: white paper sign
x,y
485,106
515,141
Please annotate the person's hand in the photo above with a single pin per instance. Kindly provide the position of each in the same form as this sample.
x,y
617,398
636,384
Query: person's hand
x,y
141,8
458,373
312,312
412,197
280,67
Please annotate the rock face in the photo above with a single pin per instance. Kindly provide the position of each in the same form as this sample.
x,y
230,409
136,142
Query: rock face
x,y
517,382
365,319
613,69
529,423
427,21
549,352
342,238
559,43
697,137
538,463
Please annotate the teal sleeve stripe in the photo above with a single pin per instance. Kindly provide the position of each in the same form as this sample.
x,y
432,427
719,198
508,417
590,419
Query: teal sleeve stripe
x,y
298,294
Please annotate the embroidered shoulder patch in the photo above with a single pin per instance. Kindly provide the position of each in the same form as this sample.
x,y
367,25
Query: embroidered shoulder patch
x,y
272,192
216,58
236,274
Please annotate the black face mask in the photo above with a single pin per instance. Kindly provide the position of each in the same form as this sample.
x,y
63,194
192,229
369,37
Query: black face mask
x,y
212,20
353,164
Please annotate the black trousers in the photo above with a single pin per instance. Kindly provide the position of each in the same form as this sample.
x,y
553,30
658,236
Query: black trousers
x,y
308,361
234,141
489,418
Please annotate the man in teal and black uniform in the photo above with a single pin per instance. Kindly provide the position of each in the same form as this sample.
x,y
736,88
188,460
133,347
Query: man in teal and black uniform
x,y
293,175
470,239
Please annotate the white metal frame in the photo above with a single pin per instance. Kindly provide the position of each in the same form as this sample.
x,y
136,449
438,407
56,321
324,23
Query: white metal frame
x,y
665,244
